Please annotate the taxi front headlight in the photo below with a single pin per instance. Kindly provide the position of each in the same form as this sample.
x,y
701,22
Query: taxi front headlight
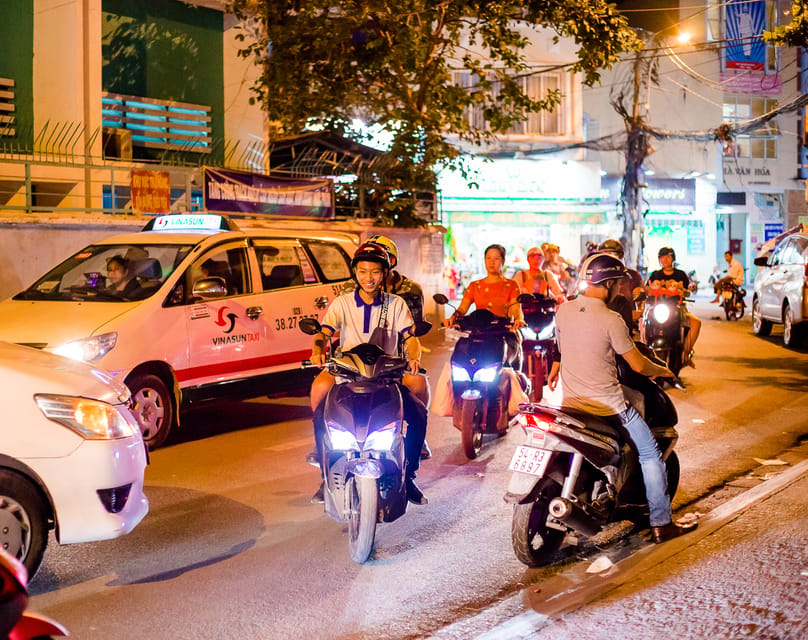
x,y
91,419
88,349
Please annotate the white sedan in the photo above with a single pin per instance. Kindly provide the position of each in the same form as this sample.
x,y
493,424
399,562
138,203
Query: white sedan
x,y
72,457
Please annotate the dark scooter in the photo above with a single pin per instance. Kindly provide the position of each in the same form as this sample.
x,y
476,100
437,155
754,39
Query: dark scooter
x,y
16,622
663,326
538,340
480,377
575,473
732,300
363,446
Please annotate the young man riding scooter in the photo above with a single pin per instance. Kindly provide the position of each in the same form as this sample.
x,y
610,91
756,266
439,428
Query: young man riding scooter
x,y
369,314
589,335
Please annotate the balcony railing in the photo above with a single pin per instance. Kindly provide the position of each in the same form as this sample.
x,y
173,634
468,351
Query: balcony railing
x,y
159,124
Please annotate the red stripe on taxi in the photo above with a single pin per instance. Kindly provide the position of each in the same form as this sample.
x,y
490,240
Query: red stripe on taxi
x,y
236,366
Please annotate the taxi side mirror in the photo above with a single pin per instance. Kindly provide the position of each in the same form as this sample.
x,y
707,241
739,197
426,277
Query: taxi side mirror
x,y
210,288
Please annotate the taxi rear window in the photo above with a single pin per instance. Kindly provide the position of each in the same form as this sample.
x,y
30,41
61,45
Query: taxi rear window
x,y
332,260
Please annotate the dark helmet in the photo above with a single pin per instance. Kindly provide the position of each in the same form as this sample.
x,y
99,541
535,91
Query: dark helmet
x,y
601,268
666,251
371,252
612,246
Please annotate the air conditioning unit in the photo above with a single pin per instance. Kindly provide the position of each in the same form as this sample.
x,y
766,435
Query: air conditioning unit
x,y
117,143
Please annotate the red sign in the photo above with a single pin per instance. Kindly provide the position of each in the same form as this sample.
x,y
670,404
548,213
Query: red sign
x,y
151,192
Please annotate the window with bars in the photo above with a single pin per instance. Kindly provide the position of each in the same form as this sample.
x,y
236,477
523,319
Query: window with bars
x,y
536,87
760,143
7,119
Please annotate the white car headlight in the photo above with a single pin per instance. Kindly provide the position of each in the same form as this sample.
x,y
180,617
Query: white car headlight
x,y
459,374
486,374
382,440
91,419
342,440
88,349
661,313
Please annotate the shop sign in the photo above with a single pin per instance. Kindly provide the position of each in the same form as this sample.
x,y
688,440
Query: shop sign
x,y
151,191
658,193
696,243
524,179
238,191
767,84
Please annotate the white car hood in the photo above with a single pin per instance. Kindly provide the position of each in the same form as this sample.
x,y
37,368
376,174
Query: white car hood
x,y
48,324
23,369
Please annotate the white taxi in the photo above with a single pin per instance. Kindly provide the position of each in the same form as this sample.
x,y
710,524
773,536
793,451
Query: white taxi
x,y
71,455
188,309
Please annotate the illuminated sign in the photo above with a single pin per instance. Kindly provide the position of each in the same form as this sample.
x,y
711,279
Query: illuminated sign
x,y
186,222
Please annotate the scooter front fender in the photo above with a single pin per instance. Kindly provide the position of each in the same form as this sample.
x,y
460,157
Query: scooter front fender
x,y
365,468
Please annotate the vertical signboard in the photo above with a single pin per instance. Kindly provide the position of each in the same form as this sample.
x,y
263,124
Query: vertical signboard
x,y
151,191
745,21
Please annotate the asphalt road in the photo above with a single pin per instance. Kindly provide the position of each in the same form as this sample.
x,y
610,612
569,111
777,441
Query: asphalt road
x,y
233,549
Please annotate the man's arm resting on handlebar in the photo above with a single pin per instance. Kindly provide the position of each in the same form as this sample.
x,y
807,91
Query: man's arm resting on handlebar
x,y
319,345
639,363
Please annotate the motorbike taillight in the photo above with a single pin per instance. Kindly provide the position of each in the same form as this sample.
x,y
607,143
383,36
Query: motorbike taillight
x,y
532,421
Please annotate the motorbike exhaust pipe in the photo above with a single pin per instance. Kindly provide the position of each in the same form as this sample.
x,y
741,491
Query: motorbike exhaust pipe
x,y
574,516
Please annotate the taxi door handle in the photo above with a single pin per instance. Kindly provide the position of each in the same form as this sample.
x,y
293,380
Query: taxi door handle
x,y
254,312
321,302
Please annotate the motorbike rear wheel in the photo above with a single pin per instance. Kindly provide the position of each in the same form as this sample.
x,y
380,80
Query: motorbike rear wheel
x,y
471,428
534,543
729,310
363,497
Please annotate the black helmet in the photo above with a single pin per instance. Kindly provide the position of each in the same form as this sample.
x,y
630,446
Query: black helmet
x,y
371,252
612,246
601,268
666,251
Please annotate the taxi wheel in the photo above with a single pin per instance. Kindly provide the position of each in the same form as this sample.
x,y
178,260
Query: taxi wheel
x,y
153,408
23,520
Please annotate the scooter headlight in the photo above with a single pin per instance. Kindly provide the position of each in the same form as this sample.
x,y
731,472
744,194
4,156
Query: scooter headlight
x,y
547,332
662,313
459,374
342,440
382,440
529,334
486,374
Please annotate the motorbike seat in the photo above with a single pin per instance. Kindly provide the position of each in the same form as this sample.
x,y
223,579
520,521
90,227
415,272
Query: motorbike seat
x,y
604,425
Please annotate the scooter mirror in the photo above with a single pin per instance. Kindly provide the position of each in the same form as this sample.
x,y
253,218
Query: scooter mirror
x,y
309,326
440,298
420,328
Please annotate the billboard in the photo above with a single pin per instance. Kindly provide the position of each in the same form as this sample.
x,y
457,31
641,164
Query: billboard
x,y
151,191
251,193
745,21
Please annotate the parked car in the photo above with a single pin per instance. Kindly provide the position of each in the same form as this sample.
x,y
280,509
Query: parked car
x,y
188,309
71,455
780,289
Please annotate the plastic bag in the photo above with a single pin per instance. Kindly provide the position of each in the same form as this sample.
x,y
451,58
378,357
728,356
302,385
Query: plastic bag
x,y
442,399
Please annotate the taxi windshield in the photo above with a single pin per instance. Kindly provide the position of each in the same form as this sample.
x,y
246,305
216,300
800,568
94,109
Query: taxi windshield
x,y
109,273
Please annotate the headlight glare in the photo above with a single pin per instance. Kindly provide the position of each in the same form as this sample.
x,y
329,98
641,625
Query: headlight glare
x,y
661,313
459,374
382,440
342,440
91,419
88,349
486,374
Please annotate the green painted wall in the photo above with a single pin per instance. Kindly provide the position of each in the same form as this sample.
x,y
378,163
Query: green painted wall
x,y
17,63
166,50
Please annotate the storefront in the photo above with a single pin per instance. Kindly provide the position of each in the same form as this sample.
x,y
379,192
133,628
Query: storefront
x,y
521,203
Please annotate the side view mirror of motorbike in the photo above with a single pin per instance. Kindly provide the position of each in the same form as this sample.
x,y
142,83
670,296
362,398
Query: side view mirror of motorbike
x,y
640,295
420,328
440,298
309,326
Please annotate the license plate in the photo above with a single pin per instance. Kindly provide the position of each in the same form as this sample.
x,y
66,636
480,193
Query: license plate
x,y
530,460
727,294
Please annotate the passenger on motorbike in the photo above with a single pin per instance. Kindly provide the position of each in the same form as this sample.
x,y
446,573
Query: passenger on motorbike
x,y
534,279
735,273
629,287
670,277
560,266
369,314
589,336
413,295
498,294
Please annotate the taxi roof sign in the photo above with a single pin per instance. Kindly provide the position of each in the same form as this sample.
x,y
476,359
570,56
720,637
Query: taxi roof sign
x,y
190,222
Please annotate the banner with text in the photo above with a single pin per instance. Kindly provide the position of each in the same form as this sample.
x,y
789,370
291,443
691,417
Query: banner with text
x,y
250,193
745,22
151,191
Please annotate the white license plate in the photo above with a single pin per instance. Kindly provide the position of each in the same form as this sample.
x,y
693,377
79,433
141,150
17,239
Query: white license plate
x,y
530,460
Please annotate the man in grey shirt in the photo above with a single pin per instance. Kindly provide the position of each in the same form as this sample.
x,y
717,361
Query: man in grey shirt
x,y
589,335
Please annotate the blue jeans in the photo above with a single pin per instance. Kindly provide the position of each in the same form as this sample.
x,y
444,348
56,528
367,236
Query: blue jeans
x,y
653,469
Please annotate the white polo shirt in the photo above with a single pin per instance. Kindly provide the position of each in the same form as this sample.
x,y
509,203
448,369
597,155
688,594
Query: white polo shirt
x,y
356,320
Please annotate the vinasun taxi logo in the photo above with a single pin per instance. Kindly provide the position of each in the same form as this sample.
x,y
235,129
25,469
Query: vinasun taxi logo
x,y
229,320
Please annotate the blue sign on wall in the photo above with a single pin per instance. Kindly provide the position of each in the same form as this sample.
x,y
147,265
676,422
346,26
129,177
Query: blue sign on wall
x,y
772,230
